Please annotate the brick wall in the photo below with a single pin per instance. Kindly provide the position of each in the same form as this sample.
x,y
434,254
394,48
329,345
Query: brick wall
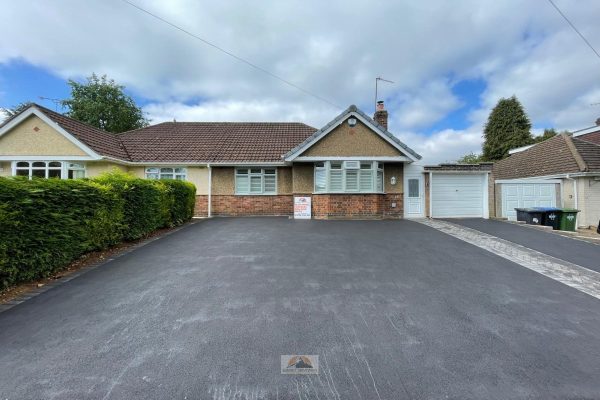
x,y
201,208
344,206
324,206
232,205
388,201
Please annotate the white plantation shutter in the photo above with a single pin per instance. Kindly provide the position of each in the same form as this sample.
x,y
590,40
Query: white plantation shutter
x,y
320,178
366,180
256,181
270,181
351,180
336,180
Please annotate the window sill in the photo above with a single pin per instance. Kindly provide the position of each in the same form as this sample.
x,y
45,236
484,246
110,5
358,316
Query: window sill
x,y
256,194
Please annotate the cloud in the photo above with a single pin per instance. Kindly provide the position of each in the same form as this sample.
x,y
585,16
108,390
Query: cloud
x,y
334,49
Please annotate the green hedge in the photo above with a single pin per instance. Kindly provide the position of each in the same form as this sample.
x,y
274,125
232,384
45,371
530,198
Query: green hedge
x,y
47,223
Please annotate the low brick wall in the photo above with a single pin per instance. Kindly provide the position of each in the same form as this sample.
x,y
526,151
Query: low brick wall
x,y
324,206
201,208
231,205
347,206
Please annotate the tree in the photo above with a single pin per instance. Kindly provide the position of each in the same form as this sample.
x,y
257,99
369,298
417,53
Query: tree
x,y
11,112
508,127
470,158
548,134
101,102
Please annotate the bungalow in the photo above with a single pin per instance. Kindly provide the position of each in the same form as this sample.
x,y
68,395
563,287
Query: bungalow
x,y
353,167
563,171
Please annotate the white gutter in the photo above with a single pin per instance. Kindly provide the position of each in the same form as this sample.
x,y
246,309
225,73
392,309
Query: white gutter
x,y
209,190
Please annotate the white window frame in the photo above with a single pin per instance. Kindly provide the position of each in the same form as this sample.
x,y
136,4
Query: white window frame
x,y
159,171
376,168
65,167
250,174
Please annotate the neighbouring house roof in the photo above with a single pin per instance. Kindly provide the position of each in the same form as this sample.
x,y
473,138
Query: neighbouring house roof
x,y
351,111
102,142
214,142
593,137
199,142
481,167
561,154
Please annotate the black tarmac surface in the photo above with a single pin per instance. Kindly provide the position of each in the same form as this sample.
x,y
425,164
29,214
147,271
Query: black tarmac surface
x,y
393,309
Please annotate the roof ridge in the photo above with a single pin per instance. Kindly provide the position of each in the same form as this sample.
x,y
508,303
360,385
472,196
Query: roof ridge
x,y
571,146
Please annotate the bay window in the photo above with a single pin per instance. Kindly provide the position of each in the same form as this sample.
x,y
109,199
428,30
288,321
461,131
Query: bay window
x,y
178,173
49,169
256,181
348,177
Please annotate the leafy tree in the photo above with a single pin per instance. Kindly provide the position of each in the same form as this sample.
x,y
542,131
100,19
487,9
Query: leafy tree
x,y
11,112
548,134
470,158
508,127
101,102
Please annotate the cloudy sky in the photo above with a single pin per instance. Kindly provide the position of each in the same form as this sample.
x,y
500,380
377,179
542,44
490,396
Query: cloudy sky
x,y
450,61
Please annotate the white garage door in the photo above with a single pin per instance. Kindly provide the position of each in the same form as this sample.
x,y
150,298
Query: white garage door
x,y
523,195
455,195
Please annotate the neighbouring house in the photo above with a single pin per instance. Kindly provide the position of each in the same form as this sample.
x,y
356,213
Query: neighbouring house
x,y
563,171
353,167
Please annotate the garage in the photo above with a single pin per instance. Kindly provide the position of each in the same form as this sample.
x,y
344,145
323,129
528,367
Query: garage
x,y
459,195
523,195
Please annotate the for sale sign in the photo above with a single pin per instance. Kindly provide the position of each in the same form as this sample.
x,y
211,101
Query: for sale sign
x,y
302,208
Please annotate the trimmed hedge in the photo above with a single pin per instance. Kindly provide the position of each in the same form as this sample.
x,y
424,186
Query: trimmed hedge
x,y
47,223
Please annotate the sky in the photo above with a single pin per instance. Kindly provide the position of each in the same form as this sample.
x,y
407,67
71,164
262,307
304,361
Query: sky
x,y
450,61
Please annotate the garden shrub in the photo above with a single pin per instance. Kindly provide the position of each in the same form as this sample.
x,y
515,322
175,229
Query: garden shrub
x,y
47,223
183,200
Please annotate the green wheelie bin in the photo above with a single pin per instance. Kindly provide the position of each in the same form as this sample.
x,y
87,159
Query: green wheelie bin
x,y
568,218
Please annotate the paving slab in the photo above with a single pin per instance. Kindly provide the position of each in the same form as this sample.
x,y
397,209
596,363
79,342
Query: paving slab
x,y
569,249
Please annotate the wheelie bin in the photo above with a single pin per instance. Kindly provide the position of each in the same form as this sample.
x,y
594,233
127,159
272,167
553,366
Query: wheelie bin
x,y
568,219
550,216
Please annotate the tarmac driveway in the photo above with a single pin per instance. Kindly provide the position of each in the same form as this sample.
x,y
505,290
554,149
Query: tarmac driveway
x,y
393,309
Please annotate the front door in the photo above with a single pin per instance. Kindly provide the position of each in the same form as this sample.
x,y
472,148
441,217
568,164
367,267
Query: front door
x,y
414,199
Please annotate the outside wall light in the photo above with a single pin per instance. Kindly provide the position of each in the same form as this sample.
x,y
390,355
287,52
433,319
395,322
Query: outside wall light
x,y
352,121
393,180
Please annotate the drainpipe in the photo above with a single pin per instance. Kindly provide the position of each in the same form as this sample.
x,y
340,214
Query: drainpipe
x,y
209,190
576,199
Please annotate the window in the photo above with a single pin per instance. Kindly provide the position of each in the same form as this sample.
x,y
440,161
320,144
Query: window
x,y
348,177
178,173
255,181
49,169
413,188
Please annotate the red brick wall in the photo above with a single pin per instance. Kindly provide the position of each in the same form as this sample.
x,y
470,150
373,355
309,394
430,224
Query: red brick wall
x,y
201,209
343,206
324,206
393,212
232,205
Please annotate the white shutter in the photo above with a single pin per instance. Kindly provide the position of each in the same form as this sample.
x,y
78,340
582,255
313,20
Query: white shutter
x,y
255,184
336,182
366,180
351,180
270,183
320,180
241,184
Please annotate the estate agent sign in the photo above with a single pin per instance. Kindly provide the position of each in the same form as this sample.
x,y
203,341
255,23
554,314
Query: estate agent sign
x,y
302,209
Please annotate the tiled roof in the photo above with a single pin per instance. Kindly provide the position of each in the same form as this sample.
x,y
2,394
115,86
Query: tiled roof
x,y
343,115
590,153
561,154
102,142
485,166
214,141
200,142
593,137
